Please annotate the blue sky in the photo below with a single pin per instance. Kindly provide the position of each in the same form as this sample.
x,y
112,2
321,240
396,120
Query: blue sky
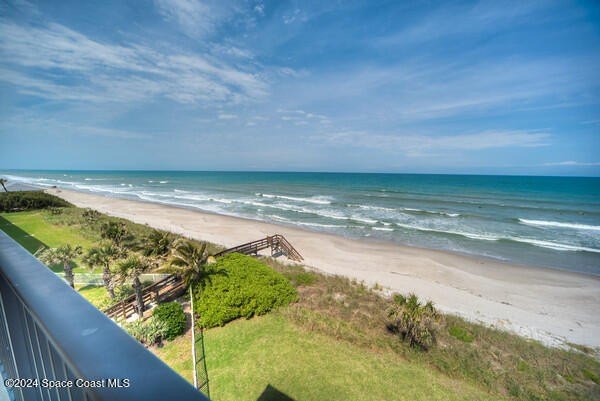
x,y
443,87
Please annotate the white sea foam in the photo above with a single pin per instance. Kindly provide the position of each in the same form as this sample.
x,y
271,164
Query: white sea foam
x,y
485,237
319,200
302,223
410,209
382,229
277,217
363,220
554,245
575,226
368,207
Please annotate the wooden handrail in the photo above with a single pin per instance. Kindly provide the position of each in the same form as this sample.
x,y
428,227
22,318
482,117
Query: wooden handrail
x,y
166,288
276,242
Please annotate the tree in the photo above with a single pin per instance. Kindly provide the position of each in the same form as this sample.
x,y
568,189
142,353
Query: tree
x,y
116,232
188,262
2,182
157,243
63,255
415,322
131,268
102,256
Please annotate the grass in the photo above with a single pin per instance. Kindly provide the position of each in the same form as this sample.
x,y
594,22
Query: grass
x,y
498,361
95,294
34,230
247,356
460,333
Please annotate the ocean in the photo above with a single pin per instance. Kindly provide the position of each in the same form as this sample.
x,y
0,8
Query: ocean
x,y
538,221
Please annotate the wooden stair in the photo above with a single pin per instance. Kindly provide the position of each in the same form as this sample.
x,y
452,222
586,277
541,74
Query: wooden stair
x,y
165,289
277,243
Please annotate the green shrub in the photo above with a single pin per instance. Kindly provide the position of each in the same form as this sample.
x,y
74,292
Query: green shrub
x,y
29,200
460,334
591,375
90,215
240,286
149,332
172,316
414,322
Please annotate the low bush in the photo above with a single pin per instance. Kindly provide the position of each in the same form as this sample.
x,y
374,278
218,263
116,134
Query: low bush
x,y
414,322
29,200
240,286
171,315
460,333
149,332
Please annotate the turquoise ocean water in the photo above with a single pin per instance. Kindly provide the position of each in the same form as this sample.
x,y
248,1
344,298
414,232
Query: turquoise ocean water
x,y
540,221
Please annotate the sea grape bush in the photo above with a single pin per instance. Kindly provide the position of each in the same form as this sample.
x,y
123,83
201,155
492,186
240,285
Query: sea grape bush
x,y
240,286
171,315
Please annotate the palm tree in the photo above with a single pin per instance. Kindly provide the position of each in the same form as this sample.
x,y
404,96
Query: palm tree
x,y
131,268
415,322
116,232
2,182
157,243
64,255
102,256
188,262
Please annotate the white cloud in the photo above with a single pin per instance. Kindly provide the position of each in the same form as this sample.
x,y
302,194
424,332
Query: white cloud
x,y
224,116
259,8
38,59
572,163
196,18
451,19
418,145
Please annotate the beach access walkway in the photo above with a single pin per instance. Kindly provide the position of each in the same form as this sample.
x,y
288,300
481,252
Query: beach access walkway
x,y
172,286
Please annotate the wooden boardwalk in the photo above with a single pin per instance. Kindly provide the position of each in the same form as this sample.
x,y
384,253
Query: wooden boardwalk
x,y
172,286
278,244
168,288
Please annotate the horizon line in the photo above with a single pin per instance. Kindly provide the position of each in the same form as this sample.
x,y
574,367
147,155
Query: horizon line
x,y
307,172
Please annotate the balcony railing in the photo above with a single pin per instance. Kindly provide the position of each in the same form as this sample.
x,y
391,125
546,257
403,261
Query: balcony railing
x,y
50,335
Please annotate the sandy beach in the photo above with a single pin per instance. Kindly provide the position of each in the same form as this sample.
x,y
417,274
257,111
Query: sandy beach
x,y
548,305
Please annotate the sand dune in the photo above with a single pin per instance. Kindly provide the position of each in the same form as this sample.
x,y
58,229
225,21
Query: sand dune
x,y
549,305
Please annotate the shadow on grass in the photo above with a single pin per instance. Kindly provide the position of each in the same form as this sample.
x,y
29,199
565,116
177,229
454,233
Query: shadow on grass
x,y
88,287
26,240
270,393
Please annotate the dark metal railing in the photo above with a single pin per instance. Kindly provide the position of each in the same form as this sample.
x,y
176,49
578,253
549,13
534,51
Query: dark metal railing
x,y
51,334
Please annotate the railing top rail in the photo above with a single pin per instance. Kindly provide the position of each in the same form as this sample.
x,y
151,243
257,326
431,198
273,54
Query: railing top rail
x,y
264,243
93,346
159,284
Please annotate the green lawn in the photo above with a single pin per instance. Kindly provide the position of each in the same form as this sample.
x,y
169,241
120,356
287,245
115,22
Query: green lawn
x,y
96,295
32,230
246,356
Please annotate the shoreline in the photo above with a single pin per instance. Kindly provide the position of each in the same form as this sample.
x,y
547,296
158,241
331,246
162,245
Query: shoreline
x,y
550,305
